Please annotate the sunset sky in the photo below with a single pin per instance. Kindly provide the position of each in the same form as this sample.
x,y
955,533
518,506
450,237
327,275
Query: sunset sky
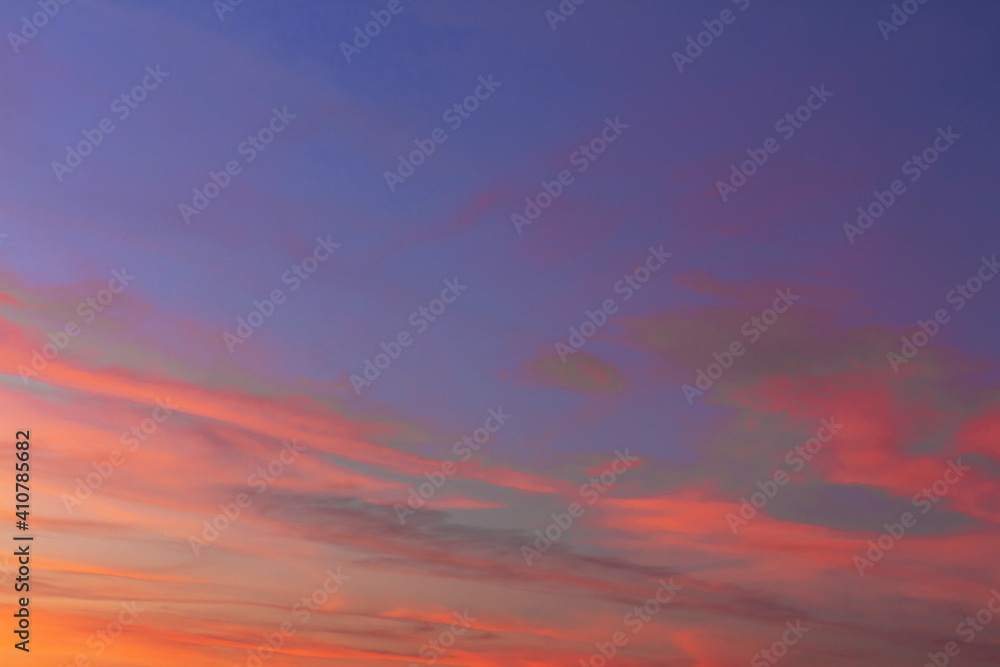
x,y
716,314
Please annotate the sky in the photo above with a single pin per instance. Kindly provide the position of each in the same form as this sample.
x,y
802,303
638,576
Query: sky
x,y
394,333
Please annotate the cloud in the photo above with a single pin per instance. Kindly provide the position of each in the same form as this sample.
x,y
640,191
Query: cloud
x,y
581,372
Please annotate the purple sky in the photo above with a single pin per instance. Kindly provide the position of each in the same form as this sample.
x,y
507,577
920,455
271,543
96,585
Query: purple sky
x,y
655,185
